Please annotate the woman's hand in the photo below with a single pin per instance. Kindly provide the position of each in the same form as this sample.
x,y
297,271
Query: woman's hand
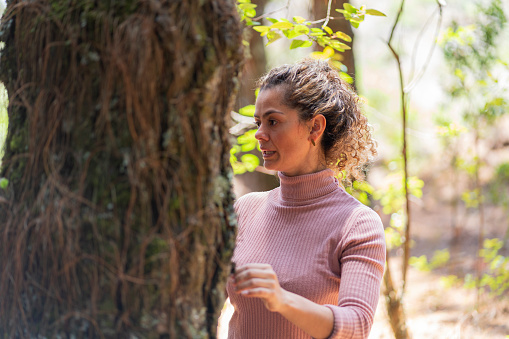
x,y
260,281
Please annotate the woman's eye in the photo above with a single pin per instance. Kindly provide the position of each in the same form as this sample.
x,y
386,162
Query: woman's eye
x,y
257,123
272,122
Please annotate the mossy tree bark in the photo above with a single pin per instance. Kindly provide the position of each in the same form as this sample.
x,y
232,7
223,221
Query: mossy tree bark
x,y
118,220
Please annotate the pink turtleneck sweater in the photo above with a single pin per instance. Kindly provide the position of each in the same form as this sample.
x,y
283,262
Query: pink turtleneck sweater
x,y
322,243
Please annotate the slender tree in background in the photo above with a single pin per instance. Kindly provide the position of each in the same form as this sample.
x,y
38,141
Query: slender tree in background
x,y
117,219
395,295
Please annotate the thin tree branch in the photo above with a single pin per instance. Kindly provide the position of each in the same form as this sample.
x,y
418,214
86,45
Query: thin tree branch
x,y
396,22
328,13
420,74
272,12
327,19
406,244
418,42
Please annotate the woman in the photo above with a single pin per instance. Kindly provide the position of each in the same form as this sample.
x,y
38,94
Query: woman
x,y
309,257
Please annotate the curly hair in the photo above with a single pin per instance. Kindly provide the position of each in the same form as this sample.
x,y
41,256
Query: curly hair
x,y
313,87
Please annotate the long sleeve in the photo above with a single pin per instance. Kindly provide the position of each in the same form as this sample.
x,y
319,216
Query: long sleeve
x,y
362,260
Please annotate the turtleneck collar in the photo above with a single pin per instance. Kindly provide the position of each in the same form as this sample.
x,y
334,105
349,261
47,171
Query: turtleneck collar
x,y
307,187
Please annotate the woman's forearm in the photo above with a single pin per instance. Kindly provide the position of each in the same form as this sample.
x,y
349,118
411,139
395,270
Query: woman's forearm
x,y
317,320
260,281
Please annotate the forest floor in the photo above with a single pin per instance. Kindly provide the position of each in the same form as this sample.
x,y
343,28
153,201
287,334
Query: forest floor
x,y
433,310
436,312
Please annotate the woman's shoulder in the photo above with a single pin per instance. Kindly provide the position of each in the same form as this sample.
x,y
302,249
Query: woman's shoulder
x,y
365,219
348,201
251,200
355,212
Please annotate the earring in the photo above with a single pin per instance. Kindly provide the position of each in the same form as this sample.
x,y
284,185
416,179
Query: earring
x,y
313,142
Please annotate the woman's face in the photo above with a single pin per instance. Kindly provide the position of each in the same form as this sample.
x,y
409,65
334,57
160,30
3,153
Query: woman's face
x,y
283,138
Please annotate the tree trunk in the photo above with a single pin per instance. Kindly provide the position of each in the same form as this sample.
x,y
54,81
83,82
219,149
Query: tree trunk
x,y
118,219
320,12
394,305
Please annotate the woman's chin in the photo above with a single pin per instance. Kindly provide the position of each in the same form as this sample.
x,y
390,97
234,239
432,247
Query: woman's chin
x,y
270,165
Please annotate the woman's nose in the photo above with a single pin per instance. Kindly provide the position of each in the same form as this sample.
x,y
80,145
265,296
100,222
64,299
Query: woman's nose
x,y
260,134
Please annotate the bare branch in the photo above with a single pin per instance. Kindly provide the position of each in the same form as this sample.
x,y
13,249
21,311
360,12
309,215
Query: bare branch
x,y
272,12
328,13
396,22
403,96
326,19
421,72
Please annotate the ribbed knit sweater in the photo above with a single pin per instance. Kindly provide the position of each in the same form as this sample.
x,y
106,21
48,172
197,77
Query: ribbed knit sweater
x,y
322,243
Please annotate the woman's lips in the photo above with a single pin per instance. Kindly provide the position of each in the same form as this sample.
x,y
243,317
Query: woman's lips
x,y
267,154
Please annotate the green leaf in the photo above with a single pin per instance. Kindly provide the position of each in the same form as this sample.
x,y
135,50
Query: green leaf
x,y
328,30
4,183
272,20
238,167
300,43
234,150
357,20
317,55
339,46
273,36
261,29
301,29
291,33
245,6
320,42
250,161
247,111
343,36
338,65
363,186
250,12
346,77
374,12
349,8
325,54
299,19
247,141
282,25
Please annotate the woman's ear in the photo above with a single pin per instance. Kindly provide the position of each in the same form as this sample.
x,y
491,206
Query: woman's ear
x,y
318,126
